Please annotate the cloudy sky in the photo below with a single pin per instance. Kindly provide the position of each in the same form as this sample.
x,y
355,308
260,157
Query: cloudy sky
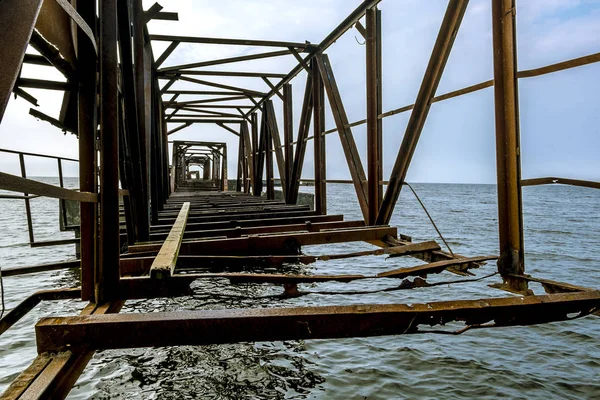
x,y
560,112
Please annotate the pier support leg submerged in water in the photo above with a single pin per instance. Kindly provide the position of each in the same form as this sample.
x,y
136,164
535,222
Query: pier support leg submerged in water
x,y
508,159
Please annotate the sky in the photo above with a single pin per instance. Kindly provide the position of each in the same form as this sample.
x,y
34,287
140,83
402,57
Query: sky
x,y
559,112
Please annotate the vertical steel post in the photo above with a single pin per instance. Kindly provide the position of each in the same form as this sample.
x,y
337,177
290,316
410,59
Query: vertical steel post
x,y
433,73
378,38
88,182
224,169
319,145
288,137
510,217
255,150
373,150
142,97
240,166
61,183
27,204
107,279
269,159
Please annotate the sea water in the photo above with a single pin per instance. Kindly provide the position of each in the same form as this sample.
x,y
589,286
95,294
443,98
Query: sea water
x,y
557,360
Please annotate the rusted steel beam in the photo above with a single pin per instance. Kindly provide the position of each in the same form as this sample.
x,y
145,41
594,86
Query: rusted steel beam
x,y
42,84
433,74
228,128
231,326
275,144
222,86
245,134
243,74
51,376
53,121
288,136
562,181
165,54
167,16
164,263
508,160
107,275
201,111
21,309
36,60
239,231
277,244
379,56
25,96
268,147
180,127
140,266
179,104
52,54
345,25
26,198
227,41
255,222
224,186
374,150
320,153
260,154
33,269
17,20
178,68
202,92
561,66
87,126
348,144
198,120
37,155
152,11
300,153
268,82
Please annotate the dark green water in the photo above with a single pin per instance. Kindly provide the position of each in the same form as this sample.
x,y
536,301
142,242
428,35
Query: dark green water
x,y
558,360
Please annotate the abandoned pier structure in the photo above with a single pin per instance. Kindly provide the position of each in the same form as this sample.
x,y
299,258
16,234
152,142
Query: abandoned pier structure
x,y
151,223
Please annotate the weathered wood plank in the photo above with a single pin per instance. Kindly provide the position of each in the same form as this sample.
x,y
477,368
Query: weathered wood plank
x,y
412,248
433,268
164,263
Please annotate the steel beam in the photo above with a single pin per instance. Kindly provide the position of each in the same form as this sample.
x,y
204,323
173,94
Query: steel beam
x,y
433,74
508,159
107,275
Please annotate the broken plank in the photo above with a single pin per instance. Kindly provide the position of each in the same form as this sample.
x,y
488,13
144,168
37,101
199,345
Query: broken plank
x,y
412,248
164,263
433,268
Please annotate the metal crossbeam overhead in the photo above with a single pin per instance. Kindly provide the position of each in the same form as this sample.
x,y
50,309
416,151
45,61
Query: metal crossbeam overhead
x,y
258,56
345,25
226,41
225,73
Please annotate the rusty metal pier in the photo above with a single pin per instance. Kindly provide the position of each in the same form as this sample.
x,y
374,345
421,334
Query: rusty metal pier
x,y
153,221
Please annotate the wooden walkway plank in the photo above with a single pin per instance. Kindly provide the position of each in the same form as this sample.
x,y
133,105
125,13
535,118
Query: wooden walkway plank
x,y
434,267
164,263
